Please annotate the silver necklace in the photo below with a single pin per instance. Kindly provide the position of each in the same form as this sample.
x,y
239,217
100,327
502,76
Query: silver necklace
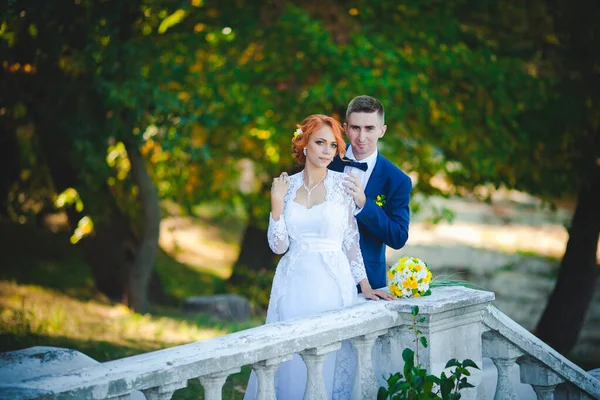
x,y
309,191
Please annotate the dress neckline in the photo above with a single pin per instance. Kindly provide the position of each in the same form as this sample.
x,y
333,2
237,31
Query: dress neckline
x,y
301,183
311,207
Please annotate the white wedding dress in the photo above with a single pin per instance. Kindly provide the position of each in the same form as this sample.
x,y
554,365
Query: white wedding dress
x,y
319,272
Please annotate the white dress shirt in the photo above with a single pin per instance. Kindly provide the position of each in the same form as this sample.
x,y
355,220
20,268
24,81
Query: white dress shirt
x,y
363,175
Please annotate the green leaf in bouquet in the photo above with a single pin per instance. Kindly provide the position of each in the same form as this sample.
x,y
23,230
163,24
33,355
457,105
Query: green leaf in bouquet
x,y
423,340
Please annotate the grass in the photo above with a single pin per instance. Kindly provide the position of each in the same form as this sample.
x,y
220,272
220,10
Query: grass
x,y
47,299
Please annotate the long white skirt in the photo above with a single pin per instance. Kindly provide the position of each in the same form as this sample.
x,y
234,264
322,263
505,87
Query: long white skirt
x,y
312,289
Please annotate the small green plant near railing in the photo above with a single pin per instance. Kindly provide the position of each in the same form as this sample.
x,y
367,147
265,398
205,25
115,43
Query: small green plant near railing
x,y
416,384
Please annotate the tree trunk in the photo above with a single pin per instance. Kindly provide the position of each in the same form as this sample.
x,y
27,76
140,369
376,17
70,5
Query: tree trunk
x,y
565,312
113,247
10,167
141,268
255,254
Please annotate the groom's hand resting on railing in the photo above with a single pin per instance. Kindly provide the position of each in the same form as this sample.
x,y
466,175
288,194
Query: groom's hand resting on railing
x,y
373,294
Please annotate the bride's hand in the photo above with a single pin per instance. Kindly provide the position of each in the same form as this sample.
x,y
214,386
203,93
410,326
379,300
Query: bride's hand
x,y
374,294
279,187
278,190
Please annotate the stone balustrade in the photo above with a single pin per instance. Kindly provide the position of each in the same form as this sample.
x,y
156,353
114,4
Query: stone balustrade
x,y
550,374
459,323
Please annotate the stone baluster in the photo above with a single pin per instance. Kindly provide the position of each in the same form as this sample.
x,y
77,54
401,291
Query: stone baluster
x,y
265,372
382,357
365,383
164,392
314,359
213,383
542,379
504,355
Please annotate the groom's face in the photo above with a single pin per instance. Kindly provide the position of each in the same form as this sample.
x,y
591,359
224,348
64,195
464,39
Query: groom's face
x,y
363,131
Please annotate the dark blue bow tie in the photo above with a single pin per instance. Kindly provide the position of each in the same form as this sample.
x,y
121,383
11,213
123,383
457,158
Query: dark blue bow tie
x,y
351,163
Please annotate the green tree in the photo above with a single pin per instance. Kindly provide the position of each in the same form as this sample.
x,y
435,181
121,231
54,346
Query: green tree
x,y
132,103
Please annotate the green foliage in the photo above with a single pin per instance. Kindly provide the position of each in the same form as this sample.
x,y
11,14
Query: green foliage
x,y
476,94
201,86
47,299
254,285
415,384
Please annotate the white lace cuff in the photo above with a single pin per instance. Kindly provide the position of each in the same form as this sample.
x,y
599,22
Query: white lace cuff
x,y
277,235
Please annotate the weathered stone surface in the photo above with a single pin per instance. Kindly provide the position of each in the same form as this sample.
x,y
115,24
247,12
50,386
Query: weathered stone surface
x,y
19,367
250,346
230,307
544,355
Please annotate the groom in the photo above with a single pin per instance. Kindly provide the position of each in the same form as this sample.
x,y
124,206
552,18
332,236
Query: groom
x,y
380,190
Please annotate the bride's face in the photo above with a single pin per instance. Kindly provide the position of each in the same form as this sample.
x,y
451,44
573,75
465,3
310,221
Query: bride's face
x,y
321,147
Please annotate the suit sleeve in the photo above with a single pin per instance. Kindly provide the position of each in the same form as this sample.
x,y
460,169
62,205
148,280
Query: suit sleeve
x,y
391,225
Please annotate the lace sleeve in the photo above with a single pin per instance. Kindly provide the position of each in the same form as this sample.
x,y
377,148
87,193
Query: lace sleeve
x,y
351,247
277,235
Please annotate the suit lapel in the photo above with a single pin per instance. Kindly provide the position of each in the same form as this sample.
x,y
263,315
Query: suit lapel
x,y
376,180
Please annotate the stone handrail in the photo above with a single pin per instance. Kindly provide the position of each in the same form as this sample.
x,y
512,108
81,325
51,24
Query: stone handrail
x,y
547,371
459,323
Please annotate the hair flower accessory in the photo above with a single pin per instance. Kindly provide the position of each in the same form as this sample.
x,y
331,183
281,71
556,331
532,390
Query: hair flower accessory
x,y
298,132
409,277
380,200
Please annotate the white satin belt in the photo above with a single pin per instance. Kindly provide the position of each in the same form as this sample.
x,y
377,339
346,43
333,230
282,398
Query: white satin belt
x,y
316,245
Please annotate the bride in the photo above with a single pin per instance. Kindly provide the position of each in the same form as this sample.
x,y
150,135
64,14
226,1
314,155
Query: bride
x,y
312,222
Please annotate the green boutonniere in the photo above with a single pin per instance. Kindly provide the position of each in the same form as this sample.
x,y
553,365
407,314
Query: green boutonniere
x,y
380,200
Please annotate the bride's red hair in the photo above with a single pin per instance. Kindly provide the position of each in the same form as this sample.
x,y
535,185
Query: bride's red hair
x,y
311,124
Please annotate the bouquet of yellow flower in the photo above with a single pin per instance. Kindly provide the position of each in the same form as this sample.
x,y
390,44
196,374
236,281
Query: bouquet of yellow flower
x,y
409,277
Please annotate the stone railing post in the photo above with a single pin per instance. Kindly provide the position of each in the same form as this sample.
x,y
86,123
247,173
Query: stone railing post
x,y
314,359
389,353
164,392
265,372
454,333
213,383
365,383
543,380
504,355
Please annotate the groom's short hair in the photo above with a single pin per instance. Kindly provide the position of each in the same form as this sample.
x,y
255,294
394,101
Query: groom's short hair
x,y
366,104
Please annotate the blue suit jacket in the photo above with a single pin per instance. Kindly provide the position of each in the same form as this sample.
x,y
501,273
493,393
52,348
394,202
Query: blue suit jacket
x,y
381,226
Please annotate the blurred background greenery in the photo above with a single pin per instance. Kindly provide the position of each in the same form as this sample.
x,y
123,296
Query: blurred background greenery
x,y
116,115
